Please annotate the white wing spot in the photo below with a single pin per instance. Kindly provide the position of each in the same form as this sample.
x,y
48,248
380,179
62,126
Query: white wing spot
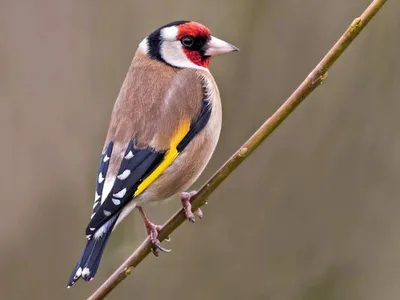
x,y
106,213
116,201
96,196
101,178
106,158
92,215
95,204
124,175
108,185
129,155
120,194
92,229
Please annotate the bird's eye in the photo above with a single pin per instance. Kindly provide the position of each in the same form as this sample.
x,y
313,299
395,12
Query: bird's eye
x,y
187,41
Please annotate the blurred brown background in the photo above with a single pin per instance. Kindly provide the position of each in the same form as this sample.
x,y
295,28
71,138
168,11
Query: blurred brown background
x,y
313,214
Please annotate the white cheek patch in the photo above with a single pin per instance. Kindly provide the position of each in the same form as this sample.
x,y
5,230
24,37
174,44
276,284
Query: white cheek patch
x,y
171,50
172,53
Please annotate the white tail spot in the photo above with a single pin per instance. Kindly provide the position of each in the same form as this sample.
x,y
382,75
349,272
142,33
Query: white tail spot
x,y
85,272
78,273
106,158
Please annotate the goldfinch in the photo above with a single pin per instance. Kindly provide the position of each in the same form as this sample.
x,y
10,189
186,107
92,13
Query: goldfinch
x,y
164,128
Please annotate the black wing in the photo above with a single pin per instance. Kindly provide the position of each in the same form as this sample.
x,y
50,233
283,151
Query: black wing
x,y
136,166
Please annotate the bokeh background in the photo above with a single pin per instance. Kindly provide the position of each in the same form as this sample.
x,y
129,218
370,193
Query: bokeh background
x,y
313,214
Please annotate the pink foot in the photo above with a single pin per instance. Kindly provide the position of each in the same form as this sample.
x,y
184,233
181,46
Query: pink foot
x,y
152,231
187,206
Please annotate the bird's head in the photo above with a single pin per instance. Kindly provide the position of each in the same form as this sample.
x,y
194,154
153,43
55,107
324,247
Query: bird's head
x,y
184,44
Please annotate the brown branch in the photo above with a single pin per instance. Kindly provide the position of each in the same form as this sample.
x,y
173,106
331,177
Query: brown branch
x,y
313,80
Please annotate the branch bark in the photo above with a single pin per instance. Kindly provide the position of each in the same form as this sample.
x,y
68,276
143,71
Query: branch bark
x,y
313,80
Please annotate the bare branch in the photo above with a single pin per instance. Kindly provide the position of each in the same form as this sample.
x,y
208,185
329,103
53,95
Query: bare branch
x,y
313,80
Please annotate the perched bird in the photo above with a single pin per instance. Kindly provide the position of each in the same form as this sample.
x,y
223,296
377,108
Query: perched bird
x,y
164,128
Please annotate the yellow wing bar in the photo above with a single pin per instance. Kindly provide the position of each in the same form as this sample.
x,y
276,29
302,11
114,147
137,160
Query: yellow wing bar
x,y
169,157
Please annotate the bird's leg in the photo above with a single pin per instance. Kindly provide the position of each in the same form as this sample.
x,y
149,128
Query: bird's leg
x,y
187,206
152,231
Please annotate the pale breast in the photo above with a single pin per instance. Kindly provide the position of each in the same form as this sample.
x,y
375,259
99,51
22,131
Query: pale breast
x,y
190,163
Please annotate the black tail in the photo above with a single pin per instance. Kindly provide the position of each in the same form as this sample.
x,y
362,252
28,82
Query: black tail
x,y
90,258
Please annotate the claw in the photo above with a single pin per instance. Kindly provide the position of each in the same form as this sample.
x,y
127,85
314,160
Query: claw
x,y
157,244
199,213
167,238
152,231
187,206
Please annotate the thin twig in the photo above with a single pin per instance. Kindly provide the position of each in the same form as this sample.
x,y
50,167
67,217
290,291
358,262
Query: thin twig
x,y
313,80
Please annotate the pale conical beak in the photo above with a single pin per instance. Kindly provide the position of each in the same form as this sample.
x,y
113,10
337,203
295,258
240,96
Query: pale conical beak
x,y
215,46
